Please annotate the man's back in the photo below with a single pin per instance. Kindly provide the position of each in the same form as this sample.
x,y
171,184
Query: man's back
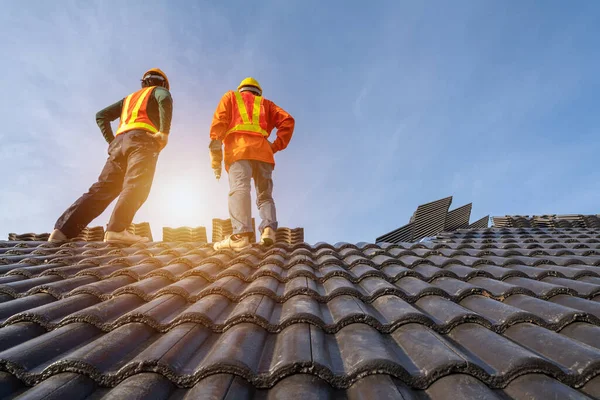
x,y
245,145
160,110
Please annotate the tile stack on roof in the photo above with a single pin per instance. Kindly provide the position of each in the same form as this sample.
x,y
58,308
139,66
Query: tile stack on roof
x,y
141,229
480,223
548,221
458,218
28,237
290,236
432,218
491,314
94,234
185,234
221,229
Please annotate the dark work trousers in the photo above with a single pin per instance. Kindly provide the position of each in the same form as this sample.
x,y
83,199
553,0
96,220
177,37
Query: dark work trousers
x,y
128,173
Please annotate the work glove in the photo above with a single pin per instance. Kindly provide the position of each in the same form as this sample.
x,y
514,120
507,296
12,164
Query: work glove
x,y
216,157
162,139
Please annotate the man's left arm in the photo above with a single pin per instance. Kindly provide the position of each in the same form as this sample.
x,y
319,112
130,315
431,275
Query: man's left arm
x,y
165,109
165,113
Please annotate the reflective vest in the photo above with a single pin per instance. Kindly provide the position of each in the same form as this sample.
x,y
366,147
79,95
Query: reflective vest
x,y
241,120
135,112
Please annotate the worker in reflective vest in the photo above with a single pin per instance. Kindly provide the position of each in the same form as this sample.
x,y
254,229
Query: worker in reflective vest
x,y
145,121
243,122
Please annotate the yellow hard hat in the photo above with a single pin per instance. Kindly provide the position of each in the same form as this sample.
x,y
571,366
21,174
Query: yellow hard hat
x,y
249,81
157,71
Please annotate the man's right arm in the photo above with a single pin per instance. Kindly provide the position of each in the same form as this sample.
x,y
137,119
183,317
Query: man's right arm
x,y
218,129
221,118
106,116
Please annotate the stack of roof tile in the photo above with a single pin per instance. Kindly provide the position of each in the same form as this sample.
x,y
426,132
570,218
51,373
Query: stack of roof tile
x,y
28,237
289,236
458,218
547,221
432,218
185,234
592,221
222,228
480,223
141,229
94,234
489,314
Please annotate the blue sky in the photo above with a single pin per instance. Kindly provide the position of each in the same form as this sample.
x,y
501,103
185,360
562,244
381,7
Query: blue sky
x,y
397,103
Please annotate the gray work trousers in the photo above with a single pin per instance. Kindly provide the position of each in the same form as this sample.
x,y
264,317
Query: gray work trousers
x,y
240,205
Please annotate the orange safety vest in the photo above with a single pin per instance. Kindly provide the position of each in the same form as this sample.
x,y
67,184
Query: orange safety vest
x,y
135,112
240,120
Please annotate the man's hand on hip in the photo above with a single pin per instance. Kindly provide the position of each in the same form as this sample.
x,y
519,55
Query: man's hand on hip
x,y
162,139
273,147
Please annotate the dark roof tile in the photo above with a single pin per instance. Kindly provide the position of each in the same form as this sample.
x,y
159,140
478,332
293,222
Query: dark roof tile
x,y
461,386
554,315
10,385
588,306
499,315
580,288
590,279
572,272
105,313
592,388
541,289
584,333
446,313
50,314
19,332
428,272
498,289
542,387
454,288
500,273
482,346
575,358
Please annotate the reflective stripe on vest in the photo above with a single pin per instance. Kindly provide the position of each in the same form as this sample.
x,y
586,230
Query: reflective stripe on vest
x,y
131,118
248,126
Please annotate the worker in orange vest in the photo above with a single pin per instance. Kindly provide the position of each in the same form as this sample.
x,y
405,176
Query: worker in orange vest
x,y
243,122
145,121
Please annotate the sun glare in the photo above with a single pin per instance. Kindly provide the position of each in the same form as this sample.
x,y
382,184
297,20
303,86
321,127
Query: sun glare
x,y
180,201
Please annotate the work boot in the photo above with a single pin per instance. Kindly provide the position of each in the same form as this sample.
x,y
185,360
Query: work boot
x,y
57,236
125,237
267,238
234,242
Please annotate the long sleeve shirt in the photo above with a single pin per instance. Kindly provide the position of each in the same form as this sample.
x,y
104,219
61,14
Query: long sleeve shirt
x,y
244,146
160,111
